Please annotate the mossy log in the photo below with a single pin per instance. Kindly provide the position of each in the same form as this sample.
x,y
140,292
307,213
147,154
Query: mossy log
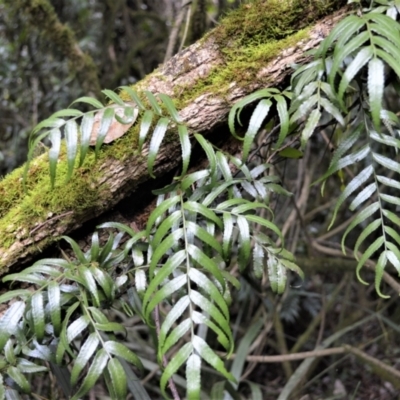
x,y
252,48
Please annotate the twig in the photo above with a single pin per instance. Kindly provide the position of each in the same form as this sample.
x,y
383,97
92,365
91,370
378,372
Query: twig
x,y
296,356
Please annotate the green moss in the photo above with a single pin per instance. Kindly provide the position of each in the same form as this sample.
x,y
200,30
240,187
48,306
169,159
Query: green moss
x,y
251,36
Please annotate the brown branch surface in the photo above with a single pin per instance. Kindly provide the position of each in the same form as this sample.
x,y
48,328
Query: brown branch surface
x,y
185,77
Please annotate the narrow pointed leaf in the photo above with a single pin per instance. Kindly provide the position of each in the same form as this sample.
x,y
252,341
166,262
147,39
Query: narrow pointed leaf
x,y
18,377
113,97
359,61
10,320
171,108
85,353
71,138
155,143
96,369
206,262
206,212
353,185
86,130
54,152
171,287
379,270
106,121
387,162
193,370
153,102
367,254
371,227
89,100
120,350
281,107
211,357
176,312
77,327
257,118
118,378
134,96
185,146
208,287
179,358
310,126
174,336
376,83
159,211
364,195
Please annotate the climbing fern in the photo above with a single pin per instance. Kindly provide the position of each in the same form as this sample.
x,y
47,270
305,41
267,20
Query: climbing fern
x,y
175,274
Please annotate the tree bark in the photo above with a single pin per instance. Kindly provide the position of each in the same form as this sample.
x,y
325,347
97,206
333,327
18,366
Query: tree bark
x,y
24,233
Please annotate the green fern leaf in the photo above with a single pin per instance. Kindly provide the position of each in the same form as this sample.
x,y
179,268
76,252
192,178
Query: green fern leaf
x,y
175,335
174,314
259,114
171,108
169,288
341,52
38,315
211,156
376,82
277,275
201,209
10,320
134,96
106,121
367,254
77,327
121,351
208,355
331,109
113,97
390,60
54,152
344,29
155,143
118,378
85,353
359,61
163,247
208,287
281,107
18,377
153,102
388,181
54,303
95,371
185,146
304,108
393,234
238,107
145,125
89,100
71,138
353,185
310,126
86,130
159,211
379,270
206,262
387,162
176,362
193,369
364,195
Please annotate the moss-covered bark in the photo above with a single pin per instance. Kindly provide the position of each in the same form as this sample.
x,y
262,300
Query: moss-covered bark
x,y
205,80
